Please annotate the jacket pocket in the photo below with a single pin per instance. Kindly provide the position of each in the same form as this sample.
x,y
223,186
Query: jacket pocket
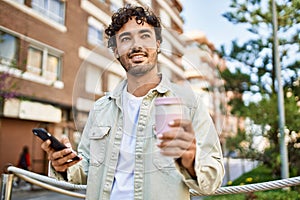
x,y
98,143
164,167
161,162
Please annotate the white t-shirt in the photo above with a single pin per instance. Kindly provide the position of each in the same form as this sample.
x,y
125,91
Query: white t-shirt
x,y
123,185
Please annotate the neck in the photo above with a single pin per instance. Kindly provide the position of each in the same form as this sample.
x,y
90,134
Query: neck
x,y
140,86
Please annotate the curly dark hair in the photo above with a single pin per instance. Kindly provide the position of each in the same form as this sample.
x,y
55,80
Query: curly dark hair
x,y
126,13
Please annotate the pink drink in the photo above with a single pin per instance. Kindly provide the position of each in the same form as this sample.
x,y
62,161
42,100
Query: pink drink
x,y
166,110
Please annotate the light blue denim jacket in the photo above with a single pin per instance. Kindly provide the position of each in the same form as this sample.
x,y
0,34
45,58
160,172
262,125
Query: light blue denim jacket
x,y
155,176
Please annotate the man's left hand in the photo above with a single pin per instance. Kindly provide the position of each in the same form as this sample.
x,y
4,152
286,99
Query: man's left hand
x,y
179,142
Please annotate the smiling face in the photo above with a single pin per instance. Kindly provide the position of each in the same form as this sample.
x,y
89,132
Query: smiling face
x,y
137,48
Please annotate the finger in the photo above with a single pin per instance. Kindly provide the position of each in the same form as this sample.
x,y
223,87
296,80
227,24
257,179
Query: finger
x,y
65,159
65,166
172,152
184,123
171,133
65,140
174,143
60,154
176,133
46,146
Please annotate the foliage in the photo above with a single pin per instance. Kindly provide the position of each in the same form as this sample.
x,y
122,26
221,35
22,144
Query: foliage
x,y
266,115
254,73
256,54
7,87
259,174
238,83
234,143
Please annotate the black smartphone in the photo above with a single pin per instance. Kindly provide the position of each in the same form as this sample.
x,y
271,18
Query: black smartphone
x,y
55,144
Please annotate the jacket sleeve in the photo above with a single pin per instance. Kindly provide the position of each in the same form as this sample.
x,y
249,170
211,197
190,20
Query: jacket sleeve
x,y
77,173
208,166
74,174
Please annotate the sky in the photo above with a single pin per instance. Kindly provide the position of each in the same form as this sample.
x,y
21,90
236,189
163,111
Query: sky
x,y
206,16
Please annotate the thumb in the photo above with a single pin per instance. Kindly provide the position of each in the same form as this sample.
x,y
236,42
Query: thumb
x,y
65,140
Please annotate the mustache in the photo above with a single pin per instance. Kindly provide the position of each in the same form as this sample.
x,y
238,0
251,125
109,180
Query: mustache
x,y
135,51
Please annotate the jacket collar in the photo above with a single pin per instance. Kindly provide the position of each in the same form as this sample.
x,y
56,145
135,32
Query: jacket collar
x,y
162,88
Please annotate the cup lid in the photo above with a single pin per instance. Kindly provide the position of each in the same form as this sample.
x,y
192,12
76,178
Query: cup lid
x,y
168,100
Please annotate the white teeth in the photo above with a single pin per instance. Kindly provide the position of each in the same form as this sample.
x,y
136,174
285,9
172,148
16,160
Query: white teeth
x,y
137,57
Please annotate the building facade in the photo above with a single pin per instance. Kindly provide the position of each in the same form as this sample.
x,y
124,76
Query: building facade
x,y
202,69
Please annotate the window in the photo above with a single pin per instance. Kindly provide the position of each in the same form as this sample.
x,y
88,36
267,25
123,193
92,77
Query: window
x,y
93,80
42,63
52,9
34,61
95,31
9,49
95,36
52,67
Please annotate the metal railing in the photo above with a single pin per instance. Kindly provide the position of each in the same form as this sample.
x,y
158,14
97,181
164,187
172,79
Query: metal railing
x,y
45,182
70,189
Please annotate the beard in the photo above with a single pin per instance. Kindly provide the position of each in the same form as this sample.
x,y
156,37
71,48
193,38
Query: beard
x,y
136,69
140,70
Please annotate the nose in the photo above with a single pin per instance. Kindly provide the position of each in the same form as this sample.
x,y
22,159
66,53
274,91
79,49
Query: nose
x,y
137,43
136,46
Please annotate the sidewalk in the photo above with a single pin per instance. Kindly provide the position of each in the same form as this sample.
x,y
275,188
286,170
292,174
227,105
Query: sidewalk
x,y
30,192
235,167
27,191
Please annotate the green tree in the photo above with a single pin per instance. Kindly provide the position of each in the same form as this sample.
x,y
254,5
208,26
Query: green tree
x,y
255,59
256,54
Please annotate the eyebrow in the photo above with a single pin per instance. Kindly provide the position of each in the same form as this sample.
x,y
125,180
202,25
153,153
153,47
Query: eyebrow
x,y
140,32
145,31
124,34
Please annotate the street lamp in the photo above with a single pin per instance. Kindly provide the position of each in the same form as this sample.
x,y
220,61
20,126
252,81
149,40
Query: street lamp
x,y
280,97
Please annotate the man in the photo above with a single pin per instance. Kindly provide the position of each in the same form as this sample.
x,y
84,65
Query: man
x,y
122,157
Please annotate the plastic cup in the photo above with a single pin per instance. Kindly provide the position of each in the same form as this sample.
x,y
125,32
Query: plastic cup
x,y
166,110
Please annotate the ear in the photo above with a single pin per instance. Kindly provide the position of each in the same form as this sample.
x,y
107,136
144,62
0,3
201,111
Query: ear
x,y
157,43
116,53
157,46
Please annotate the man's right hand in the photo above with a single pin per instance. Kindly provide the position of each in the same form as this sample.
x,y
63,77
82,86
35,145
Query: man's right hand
x,y
60,160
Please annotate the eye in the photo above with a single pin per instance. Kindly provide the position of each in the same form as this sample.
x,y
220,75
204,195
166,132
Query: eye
x,y
125,39
145,36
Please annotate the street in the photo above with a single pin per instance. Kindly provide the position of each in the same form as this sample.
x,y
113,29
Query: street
x,y
40,195
28,192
